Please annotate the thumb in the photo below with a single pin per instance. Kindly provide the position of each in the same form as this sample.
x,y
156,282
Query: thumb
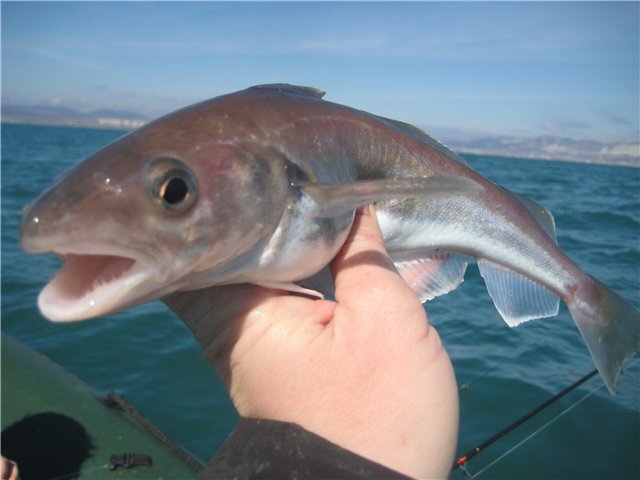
x,y
363,266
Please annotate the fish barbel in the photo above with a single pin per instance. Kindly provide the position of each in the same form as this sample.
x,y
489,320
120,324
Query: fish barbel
x,y
261,186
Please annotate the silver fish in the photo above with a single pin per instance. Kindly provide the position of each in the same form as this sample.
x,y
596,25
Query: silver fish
x,y
260,186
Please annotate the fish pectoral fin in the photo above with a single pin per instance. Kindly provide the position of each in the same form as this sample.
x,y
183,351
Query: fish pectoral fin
x,y
517,298
435,275
334,199
291,287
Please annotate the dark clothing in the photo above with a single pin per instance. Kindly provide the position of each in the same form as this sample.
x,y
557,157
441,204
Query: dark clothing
x,y
267,449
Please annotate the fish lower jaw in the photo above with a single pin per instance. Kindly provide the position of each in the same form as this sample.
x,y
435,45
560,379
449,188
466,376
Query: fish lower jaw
x,y
90,285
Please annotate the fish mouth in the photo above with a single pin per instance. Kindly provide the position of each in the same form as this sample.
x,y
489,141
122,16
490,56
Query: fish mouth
x,y
90,284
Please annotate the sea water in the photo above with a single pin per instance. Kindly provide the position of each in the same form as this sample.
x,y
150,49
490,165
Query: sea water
x,y
149,357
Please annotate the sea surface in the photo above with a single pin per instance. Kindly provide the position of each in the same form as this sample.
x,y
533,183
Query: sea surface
x,y
149,357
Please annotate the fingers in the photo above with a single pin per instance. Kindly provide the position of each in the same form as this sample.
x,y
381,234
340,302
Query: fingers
x,y
363,269
8,469
372,297
211,313
364,249
227,321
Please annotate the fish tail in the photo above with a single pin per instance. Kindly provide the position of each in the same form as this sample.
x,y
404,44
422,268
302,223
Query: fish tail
x,y
609,325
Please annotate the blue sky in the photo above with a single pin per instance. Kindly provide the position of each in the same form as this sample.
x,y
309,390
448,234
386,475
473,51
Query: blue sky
x,y
525,69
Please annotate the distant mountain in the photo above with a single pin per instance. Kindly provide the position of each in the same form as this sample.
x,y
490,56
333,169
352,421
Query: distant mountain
x,y
544,147
60,115
553,148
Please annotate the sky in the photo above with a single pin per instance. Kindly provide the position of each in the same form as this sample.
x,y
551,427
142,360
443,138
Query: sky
x,y
469,69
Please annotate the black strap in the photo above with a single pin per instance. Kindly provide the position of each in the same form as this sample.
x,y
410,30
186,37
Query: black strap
x,y
261,449
129,460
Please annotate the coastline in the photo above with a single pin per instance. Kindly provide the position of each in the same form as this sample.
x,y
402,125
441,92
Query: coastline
x,y
121,124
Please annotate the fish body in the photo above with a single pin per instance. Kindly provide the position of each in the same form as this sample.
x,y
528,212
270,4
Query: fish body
x,y
261,186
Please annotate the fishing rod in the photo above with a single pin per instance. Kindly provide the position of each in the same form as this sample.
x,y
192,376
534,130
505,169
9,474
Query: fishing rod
x,y
494,438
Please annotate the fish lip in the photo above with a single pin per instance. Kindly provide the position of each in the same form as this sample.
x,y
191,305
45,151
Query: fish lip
x,y
94,280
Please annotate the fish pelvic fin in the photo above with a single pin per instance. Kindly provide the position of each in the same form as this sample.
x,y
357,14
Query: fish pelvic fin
x,y
610,327
320,282
291,287
434,275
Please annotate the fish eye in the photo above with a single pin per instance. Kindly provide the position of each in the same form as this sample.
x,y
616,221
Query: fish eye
x,y
171,184
174,191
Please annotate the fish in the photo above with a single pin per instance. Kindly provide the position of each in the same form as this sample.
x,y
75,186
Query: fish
x,y
261,186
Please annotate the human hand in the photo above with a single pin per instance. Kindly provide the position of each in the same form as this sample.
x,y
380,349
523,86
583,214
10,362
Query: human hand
x,y
8,469
366,372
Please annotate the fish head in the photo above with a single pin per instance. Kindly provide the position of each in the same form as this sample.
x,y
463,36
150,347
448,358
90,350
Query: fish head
x,y
148,213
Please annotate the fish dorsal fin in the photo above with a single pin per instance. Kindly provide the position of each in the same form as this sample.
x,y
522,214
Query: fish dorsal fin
x,y
287,88
424,137
542,215
433,275
517,298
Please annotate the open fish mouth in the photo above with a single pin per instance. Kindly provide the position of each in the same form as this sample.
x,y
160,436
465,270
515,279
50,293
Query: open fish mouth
x,y
91,284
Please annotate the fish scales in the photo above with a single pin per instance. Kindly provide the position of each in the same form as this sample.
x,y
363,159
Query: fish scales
x,y
261,186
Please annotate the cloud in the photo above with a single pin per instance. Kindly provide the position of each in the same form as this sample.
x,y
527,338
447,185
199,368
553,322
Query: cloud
x,y
565,126
337,44
614,118
69,59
